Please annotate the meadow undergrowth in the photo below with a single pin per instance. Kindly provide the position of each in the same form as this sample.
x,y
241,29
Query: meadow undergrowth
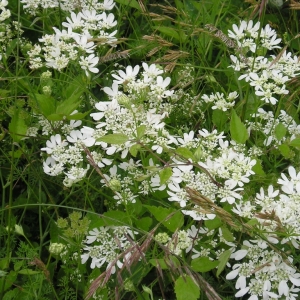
x,y
149,149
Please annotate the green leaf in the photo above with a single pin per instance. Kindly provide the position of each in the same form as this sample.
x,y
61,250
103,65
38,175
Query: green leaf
x,y
186,288
228,236
17,127
257,168
168,31
219,118
55,117
238,130
203,264
28,272
185,152
144,223
116,217
141,131
285,150
67,106
77,116
45,104
115,138
165,263
165,174
280,131
134,149
130,3
295,143
213,224
223,259
170,218
7,281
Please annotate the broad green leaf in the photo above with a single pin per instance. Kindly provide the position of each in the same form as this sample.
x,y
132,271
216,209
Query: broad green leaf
x,y
130,3
285,150
170,218
280,131
7,281
186,288
77,116
134,149
67,106
28,272
17,127
238,130
55,117
144,223
141,131
116,217
295,143
219,118
168,31
223,259
165,263
228,236
213,224
185,152
203,264
115,138
45,104
257,168
165,174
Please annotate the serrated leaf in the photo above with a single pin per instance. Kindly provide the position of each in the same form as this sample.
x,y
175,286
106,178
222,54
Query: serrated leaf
x,y
280,131
67,106
55,117
142,177
285,150
168,31
45,104
77,116
186,288
228,236
219,118
116,217
165,263
257,168
115,138
165,174
17,127
7,281
144,223
141,131
223,259
295,142
28,272
170,218
185,152
203,264
213,224
238,130
134,149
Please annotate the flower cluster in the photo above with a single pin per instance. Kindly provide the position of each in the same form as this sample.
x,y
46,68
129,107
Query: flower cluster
x,y
275,130
263,273
107,246
5,13
75,43
268,75
34,7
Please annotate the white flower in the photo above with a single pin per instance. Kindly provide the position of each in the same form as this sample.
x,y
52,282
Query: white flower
x,y
128,76
84,45
89,63
54,142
